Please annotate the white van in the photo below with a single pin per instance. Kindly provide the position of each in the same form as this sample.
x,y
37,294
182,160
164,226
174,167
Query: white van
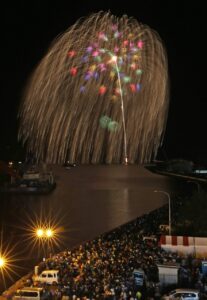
x,y
29,293
47,276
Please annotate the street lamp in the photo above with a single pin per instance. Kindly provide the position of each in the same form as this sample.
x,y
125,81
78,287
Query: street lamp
x,y
45,235
49,233
40,233
2,262
169,205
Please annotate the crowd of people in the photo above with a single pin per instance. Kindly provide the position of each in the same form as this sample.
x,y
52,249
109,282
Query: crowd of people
x,y
103,268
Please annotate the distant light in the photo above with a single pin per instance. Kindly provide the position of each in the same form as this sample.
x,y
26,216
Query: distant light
x,y
127,79
73,71
104,121
138,86
140,44
133,66
103,36
133,87
10,163
2,262
200,171
82,89
126,160
139,71
114,58
71,53
89,49
95,53
45,233
116,49
40,232
102,90
19,162
113,126
49,233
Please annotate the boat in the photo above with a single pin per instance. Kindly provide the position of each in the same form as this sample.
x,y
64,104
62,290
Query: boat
x,y
31,182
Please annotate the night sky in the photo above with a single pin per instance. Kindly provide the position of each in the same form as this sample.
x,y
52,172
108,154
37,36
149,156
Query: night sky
x,y
28,28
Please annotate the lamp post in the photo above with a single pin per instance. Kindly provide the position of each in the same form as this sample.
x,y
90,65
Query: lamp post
x,y
169,205
45,235
49,236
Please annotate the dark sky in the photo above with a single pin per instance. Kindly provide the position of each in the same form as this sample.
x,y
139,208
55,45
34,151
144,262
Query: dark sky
x,y
28,28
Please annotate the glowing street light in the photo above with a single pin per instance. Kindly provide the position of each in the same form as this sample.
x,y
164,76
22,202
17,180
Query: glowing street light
x,y
45,236
49,233
2,262
169,204
40,233
44,233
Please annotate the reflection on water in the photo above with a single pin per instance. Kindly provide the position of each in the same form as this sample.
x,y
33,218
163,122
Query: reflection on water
x,y
87,201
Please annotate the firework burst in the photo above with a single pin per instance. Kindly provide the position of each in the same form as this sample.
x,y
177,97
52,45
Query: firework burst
x,y
100,94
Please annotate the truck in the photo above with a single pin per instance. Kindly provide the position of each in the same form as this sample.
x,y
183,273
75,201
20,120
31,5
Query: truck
x,y
168,274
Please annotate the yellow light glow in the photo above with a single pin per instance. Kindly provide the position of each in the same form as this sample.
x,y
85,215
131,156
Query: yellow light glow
x,y
49,233
114,58
8,262
2,262
40,233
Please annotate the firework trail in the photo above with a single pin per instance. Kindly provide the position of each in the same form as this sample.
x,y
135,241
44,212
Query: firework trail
x,y
100,94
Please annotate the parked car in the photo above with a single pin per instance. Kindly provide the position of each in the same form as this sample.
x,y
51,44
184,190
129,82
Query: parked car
x,y
182,294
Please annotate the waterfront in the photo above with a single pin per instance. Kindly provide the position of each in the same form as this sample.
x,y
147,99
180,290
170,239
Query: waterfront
x,y
87,201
